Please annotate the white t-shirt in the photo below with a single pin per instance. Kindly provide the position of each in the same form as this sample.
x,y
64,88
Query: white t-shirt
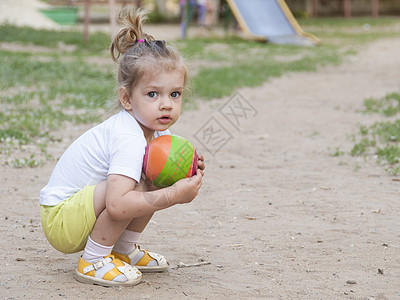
x,y
115,146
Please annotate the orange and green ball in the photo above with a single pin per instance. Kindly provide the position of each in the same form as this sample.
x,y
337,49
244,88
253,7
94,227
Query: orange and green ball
x,y
169,158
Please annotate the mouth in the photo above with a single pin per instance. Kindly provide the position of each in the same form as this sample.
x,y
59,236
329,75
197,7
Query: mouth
x,y
164,119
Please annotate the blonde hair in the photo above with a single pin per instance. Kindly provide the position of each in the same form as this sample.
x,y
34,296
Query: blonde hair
x,y
137,52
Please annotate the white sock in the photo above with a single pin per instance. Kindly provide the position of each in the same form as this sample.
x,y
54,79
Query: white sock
x,y
94,251
127,242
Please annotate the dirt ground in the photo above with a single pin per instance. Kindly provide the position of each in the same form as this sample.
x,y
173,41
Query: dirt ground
x,y
278,216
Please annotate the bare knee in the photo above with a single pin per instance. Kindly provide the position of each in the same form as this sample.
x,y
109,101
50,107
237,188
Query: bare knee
x,y
99,197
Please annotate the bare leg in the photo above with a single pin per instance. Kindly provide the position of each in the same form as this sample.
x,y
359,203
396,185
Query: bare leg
x,y
139,224
106,231
105,224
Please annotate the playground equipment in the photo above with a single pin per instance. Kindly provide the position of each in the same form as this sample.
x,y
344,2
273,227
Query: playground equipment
x,y
271,21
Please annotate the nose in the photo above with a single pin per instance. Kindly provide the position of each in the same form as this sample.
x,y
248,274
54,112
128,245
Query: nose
x,y
165,103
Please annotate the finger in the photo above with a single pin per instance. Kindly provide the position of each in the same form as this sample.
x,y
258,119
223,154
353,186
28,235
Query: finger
x,y
200,156
201,165
196,177
199,175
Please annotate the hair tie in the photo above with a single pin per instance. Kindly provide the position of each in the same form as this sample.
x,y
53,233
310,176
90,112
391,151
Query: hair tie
x,y
140,41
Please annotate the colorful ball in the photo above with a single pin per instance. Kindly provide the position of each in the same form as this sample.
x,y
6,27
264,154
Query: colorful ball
x,y
169,158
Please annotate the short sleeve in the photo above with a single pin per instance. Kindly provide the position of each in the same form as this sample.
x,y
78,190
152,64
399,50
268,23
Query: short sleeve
x,y
126,155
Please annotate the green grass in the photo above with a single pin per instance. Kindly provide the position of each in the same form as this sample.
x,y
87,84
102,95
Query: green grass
x,y
382,138
363,146
354,31
54,39
53,79
41,91
387,106
390,154
249,63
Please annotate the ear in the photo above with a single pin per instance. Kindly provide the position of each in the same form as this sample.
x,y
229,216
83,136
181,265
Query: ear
x,y
124,98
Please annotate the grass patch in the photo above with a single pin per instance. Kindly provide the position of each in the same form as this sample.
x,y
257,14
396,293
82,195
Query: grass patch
x,y
390,153
338,23
252,63
350,32
54,39
38,96
249,63
382,138
363,146
387,106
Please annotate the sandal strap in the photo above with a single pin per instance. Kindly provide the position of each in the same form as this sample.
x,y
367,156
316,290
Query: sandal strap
x,y
146,258
97,265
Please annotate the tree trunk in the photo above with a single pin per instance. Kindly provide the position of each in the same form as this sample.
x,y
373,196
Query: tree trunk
x,y
347,9
217,6
86,22
312,8
111,4
375,8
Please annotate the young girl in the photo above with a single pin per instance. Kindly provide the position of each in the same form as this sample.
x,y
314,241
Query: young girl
x,y
96,200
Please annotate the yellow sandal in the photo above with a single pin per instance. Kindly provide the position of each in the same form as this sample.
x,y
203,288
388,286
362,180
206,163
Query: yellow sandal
x,y
142,263
86,272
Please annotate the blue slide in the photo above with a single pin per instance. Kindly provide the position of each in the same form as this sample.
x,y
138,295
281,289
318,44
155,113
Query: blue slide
x,y
270,20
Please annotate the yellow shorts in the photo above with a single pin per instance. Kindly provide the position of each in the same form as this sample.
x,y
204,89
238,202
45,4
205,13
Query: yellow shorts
x,y
67,225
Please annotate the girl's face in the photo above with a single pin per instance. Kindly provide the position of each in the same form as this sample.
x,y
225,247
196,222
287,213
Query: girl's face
x,y
155,101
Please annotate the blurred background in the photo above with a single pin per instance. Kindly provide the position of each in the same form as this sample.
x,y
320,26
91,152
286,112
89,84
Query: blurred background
x,y
72,12
169,10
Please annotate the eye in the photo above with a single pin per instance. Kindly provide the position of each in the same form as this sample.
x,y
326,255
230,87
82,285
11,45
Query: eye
x,y
152,94
175,94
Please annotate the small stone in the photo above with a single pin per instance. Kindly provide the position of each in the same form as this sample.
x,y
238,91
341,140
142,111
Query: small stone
x,y
351,281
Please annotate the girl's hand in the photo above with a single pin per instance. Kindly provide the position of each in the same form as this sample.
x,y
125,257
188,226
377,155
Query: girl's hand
x,y
200,163
185,190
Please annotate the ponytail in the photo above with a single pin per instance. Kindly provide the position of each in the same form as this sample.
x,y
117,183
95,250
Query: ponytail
x,y
129,34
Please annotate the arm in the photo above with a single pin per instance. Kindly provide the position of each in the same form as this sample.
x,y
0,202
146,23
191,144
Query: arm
x,y
126,200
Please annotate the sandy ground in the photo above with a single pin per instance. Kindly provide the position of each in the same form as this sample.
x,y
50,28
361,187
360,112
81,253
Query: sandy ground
x,y
278,216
